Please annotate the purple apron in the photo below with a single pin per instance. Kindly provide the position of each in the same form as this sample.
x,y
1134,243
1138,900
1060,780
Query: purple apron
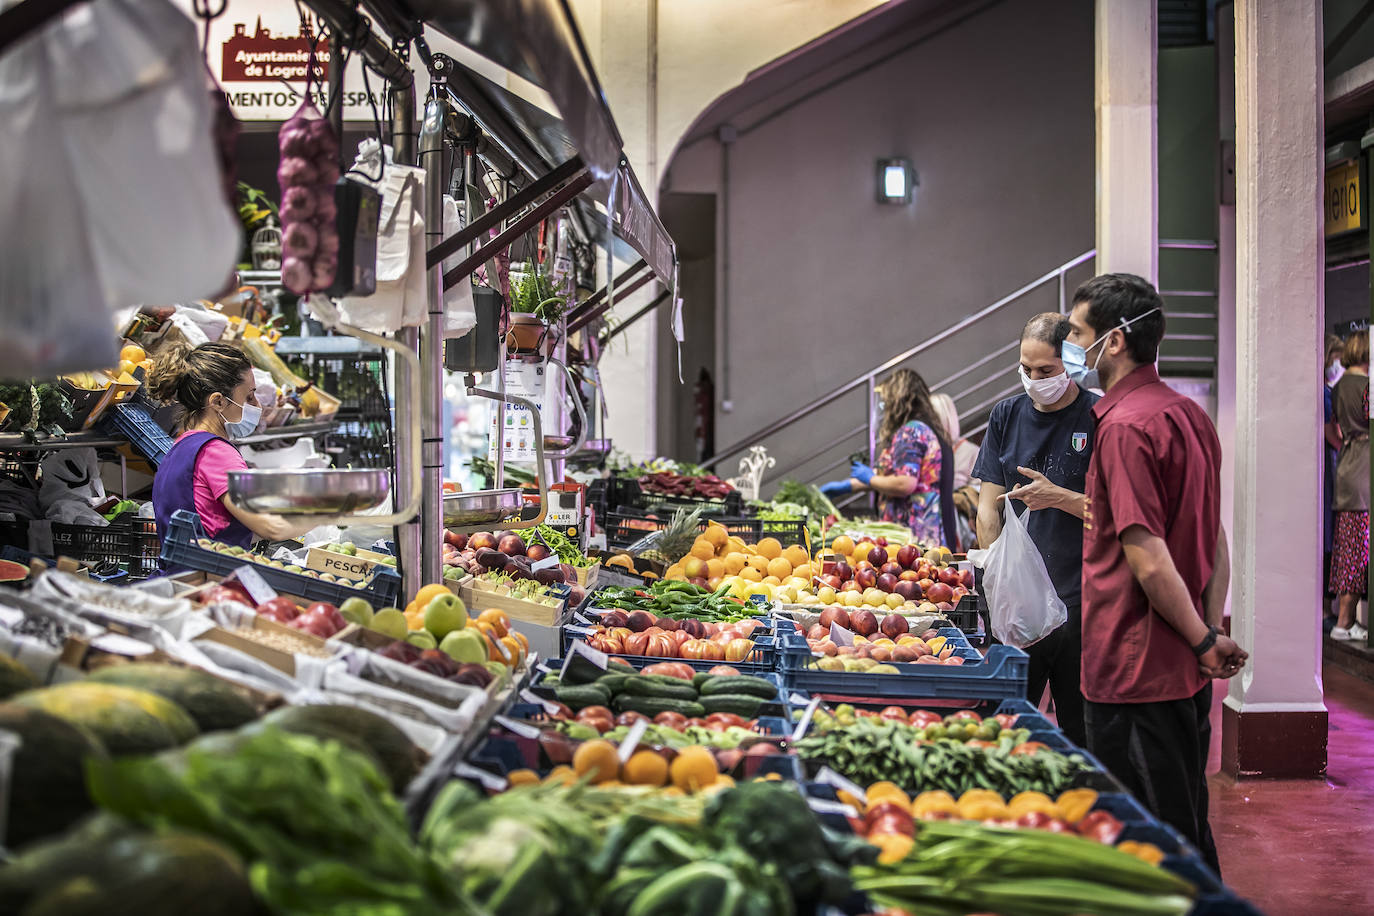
x,y
174,488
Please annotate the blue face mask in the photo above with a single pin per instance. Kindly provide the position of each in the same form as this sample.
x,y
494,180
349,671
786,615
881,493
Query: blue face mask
x,y
1076,358
246,423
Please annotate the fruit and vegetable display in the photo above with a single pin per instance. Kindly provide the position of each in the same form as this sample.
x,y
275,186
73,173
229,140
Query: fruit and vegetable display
x,y
247,556
718,731
959,868
868,572
525,589
872,652
668,483
948,755
435,634
755,848
351,550
666,637
510,554
678,601
666,687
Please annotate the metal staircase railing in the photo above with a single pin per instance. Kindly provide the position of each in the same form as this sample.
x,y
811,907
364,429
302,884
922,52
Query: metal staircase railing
x,y
1192,358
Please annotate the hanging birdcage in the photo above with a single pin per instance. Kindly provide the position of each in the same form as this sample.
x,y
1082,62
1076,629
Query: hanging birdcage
x,y
266,247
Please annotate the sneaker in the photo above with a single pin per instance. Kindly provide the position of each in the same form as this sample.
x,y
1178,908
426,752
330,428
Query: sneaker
x,y
1353,634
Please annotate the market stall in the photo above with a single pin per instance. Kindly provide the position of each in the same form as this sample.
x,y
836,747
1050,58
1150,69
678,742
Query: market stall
x,y
459,700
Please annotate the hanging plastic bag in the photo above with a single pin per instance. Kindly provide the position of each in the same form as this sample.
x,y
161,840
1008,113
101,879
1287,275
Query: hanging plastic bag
x,y
401,299
51,305
460,312
138,125
1023,607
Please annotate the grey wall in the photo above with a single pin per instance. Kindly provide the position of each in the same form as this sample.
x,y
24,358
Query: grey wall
x,y
996,115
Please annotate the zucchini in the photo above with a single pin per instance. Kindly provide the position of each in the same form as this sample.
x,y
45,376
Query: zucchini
x,y
741,704
652,706
580,696
644,687
740,683
615,682
701,678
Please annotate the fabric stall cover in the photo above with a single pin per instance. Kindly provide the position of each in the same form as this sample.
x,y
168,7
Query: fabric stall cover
x,y
112,191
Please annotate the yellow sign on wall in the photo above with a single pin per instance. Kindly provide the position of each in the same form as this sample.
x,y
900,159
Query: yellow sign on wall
x,y
1344,210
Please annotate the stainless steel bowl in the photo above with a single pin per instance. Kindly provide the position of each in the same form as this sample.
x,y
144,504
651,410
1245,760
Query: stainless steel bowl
x,y
481,507
309,491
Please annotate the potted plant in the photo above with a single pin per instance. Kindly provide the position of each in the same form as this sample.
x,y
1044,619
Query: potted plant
x,y
535,304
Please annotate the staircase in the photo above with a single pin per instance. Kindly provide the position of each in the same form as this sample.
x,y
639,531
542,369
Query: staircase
x,y
1187,283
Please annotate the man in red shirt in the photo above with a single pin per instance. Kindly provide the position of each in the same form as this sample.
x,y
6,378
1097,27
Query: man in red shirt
x,y
1155,563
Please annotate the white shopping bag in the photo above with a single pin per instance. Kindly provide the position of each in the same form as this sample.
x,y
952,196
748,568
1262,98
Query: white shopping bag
x,y
401,298
1023,607
460,314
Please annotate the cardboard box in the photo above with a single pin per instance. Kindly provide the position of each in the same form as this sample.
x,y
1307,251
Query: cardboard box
x,y
478,597
358,568
281,659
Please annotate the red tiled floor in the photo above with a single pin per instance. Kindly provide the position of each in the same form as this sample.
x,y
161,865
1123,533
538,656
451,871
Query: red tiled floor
x,y
1302,847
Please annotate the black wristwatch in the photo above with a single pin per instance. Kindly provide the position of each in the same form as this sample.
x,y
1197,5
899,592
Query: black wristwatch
x,y
1207,642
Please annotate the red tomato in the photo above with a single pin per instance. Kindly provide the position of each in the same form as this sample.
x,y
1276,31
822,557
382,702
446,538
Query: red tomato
x,y
891,824
661,646
671,669
637,644
1030,747
895,713
723,669
738,650
1006,720
693,648
923,717
967,714
674,720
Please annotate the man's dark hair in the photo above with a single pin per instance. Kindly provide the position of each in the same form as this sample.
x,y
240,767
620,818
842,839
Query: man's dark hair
x,y
1048,327
1116,298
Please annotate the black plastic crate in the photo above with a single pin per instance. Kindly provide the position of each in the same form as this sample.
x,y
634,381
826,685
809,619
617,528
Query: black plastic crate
x,y
129,543
363,437
625,493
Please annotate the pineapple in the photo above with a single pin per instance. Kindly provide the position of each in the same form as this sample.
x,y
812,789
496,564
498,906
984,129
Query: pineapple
x,y
676,540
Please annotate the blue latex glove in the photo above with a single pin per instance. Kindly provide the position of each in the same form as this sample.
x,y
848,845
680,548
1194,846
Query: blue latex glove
x,y
861,472
836,488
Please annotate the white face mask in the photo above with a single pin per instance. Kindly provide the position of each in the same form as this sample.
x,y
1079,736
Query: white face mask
x,y
1334,372
1045,391
244,425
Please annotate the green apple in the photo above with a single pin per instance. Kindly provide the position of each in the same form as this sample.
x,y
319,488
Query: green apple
x,y
388,561
348,550
390,621
444,614
421,639
499,670
356,610
465,646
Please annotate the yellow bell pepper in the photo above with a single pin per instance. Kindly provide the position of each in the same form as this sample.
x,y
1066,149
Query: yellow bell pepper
x,y
982,809
894,846
1026,802
1146,852
1075,804
928,803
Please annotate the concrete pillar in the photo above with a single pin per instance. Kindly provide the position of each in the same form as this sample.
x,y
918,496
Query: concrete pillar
x,y
1274,720
1127,138
1226,265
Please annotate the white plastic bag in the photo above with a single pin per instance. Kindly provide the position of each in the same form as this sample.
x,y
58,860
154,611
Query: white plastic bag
x,y
460,313
1023,607
401,298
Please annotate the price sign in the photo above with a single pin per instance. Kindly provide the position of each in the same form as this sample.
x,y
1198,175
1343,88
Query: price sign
x,y
516,727
254,584
805,722
627,747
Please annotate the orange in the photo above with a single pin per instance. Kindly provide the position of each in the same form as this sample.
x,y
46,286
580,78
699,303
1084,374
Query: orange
x,y
736,545
522,778
769,547
715,569
751,574
734,562
498,620
779,567
771,580
716,536
598,760
517,654
646,768
703,549
132,353
796,555
843,546
804,570
693,769
758,562
427,594
520,638
561,774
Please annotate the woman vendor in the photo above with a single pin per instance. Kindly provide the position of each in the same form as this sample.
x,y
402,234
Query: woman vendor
x,y
213,386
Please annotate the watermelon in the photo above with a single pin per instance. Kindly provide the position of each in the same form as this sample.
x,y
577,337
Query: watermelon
x,y
215,704
398,759
11,571
14,677
48,789
125,719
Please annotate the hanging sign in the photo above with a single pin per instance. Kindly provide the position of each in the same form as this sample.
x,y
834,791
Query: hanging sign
x,y
1342,211
524,380
259,51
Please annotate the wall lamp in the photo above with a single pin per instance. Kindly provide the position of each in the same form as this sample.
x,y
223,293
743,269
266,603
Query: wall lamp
x,y
896,179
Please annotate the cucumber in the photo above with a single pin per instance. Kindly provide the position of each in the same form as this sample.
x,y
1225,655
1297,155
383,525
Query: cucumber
x,y
615,682
652,706
644,687
580,696
741,704
701,678
740,683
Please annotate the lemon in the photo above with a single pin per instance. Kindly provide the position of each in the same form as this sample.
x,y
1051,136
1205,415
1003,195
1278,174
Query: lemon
x,y
826,595
851,598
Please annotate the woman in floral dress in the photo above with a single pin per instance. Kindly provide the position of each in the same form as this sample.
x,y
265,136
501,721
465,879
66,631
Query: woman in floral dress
x,y
1350,552
910,474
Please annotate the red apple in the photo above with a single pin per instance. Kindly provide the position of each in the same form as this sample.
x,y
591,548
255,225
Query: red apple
x,y
891,569
865,623
908,556
851,586
482,540
908,590
834,615
939,593
281,608
909,575
887,582
866,578
966,579
843,570
881,542
536,552
455,540
949,575
328,611
894,625
831,580
818,632
511,545
877,556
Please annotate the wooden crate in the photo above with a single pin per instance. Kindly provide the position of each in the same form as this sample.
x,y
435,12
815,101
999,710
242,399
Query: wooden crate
x,y
280,659
357,568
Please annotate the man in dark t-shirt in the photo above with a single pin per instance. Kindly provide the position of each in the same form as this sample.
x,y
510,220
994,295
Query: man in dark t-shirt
x,y
1036,450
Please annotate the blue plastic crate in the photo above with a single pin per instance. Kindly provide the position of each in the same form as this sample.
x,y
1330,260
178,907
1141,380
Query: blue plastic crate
x,y
134,421
1001,674
180,548
777,707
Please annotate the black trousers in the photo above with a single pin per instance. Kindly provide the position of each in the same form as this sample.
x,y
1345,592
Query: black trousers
x,y
1159,753
1056,660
